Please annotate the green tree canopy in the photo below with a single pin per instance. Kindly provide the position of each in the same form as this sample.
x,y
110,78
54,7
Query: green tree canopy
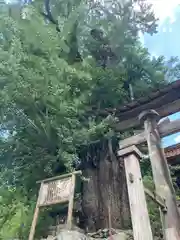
x,y
55,78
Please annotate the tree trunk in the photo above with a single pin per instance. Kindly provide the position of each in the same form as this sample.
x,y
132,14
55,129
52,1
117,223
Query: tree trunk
x,y
106,189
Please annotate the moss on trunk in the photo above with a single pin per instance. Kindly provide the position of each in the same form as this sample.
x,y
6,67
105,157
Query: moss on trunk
x,y
105,189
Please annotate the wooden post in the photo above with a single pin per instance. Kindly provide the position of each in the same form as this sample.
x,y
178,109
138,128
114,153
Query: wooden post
x,y
71,203
35,217
161,175
110,222
137,200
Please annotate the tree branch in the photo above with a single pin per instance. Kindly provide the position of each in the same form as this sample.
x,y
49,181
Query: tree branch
x,y
48,12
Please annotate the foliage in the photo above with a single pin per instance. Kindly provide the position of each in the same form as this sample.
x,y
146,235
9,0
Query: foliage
x,y
175,169
55,80
153,208
16,214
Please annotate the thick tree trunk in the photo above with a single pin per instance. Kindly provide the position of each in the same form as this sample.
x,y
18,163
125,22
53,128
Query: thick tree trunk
x,y
105,189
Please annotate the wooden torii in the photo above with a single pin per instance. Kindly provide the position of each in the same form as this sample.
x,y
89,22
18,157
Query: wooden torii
x,y
165,101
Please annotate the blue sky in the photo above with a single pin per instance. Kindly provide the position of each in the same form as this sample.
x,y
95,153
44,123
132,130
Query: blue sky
x,y
174,138
166,42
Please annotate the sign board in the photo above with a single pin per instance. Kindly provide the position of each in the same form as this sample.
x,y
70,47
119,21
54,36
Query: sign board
x,y
52,191
56,191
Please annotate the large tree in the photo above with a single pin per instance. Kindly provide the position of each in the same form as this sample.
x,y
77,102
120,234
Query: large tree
x,y
58,71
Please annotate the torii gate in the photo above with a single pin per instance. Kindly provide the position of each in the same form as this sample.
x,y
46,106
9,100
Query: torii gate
x,y
166,101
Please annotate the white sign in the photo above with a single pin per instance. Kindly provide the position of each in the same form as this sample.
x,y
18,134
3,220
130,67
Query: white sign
x,y
55,192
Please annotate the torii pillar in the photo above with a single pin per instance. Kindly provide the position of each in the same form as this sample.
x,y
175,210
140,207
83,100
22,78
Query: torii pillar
x,y
161,175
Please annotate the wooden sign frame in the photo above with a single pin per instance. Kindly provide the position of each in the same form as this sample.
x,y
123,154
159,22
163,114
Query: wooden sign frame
x,y
47,199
